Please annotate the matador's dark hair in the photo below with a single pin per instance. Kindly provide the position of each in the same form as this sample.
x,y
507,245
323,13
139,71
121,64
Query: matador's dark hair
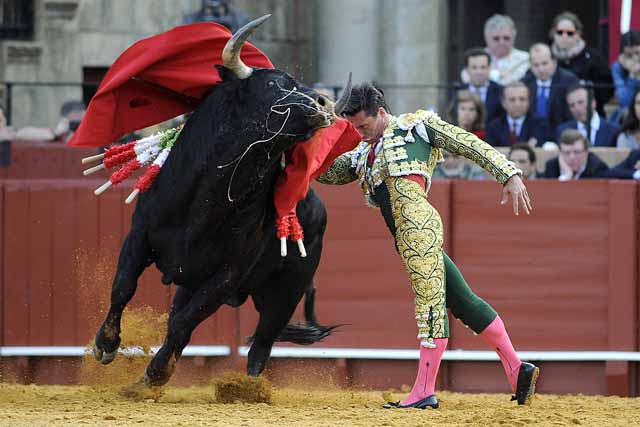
x,y
365,97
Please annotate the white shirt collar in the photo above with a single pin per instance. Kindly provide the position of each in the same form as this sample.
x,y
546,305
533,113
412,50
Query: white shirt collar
x,y
595,125
517,121
545,83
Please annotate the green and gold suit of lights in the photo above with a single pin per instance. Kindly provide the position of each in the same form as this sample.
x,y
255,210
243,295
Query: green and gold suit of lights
x,y
411,145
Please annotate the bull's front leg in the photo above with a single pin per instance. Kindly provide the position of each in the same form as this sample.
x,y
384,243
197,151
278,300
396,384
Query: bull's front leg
x,y
134,258
203,303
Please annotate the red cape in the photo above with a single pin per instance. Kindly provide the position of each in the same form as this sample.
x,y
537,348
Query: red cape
x,y
156,79
169,74
308,160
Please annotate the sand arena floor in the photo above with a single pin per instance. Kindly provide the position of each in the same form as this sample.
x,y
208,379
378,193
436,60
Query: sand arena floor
x,y
33,405
108,398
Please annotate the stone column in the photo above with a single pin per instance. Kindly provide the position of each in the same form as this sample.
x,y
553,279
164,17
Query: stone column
x,y
413,53
347,38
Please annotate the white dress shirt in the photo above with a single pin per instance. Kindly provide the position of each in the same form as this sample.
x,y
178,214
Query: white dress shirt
x,y
595,125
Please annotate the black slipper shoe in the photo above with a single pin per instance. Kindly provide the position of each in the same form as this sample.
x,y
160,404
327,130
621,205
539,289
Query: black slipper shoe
x,y
430,401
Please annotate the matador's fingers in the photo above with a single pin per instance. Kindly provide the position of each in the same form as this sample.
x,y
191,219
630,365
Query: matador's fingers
x,y
528,199
515,202
525,205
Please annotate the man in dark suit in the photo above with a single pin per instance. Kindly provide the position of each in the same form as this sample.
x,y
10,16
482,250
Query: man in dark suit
x,y
600,132
477,62
515,124
548,86
575,161
629,168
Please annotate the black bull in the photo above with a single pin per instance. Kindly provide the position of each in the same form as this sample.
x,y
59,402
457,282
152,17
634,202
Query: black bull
x,y
208,222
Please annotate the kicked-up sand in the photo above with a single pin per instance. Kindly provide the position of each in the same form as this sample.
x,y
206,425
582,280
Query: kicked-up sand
x,y
32,405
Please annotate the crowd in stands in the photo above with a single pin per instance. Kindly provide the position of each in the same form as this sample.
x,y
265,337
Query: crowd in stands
x,y
549,99
547,104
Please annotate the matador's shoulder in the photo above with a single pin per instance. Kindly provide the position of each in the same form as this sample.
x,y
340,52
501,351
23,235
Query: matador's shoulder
x,y
408,121
403,126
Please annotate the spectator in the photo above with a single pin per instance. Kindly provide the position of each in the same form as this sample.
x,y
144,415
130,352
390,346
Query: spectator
x,y
524,158
626,71
630,130
71,113
6,132
456,167
219,11
468,112
548,85
575,161
629,168
572,54
602,133
508,64
477,62
515,125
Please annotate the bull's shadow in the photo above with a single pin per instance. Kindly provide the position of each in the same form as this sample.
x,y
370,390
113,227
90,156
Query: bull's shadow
x,y
208,221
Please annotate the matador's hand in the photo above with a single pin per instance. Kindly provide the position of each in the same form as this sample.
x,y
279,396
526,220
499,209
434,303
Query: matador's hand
x,y
518,192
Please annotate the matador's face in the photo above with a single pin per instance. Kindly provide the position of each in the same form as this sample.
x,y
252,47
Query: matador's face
x,y
370,127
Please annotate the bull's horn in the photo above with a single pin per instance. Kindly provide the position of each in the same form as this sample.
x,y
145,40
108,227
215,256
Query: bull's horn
x,y
344,98
231,53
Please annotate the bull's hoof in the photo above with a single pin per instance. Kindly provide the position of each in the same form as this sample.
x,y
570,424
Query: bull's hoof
x,y
141,390
104,357
156,379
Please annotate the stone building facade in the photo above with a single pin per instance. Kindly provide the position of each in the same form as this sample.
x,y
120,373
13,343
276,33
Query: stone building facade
x,y
395,42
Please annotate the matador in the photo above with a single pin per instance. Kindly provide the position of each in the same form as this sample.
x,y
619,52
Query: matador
x,y
394,164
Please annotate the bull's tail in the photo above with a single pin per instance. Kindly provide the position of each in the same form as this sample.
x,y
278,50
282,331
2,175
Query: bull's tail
x,y
310,331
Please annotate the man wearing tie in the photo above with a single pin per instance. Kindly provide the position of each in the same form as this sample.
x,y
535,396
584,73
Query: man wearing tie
x,y
477,62
548,86
598,131
516,124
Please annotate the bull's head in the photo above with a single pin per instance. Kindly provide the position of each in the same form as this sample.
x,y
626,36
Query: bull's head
x,y
292,109
271,110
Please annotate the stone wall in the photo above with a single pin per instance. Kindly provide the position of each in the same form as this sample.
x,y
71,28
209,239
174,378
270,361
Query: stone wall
x,y
401,44
72,34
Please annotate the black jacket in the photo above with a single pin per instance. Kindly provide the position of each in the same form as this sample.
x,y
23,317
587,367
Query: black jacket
x,y
499,133
557,108
626,168
596,168
492,103
590,65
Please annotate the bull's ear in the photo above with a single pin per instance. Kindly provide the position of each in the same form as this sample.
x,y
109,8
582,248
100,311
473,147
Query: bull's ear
x,y
226,75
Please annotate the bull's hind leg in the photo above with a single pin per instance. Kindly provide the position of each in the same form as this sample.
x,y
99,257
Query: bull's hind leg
x,y
275,300
134,258
188,310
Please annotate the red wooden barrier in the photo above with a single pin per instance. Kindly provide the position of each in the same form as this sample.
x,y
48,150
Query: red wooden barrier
x,y
564,278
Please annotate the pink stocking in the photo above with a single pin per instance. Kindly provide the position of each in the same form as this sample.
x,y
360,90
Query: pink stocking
x,y
495,335
427,372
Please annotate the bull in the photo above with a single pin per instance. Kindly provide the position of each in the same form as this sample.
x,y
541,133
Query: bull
x,y
208,221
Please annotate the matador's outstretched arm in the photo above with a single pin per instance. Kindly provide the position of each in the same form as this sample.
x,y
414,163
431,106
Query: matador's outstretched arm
x,y
458,141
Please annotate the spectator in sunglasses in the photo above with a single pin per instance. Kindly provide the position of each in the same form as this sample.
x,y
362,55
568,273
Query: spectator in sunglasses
x,y
573,54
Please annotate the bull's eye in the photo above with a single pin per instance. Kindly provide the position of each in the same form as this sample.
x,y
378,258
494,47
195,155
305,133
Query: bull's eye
x,y
271,83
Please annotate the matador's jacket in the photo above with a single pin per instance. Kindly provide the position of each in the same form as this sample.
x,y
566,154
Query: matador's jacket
x,y
411,146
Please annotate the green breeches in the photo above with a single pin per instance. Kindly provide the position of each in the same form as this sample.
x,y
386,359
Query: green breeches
x,y
466,306
436,281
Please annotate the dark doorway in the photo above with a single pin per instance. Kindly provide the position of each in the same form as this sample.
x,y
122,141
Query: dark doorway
x,y
91,78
